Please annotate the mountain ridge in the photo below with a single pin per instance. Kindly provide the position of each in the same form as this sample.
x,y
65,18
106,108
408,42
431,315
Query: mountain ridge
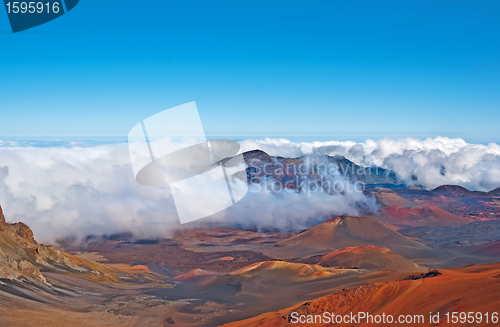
x,y
443,290
421,216
370,257
347,231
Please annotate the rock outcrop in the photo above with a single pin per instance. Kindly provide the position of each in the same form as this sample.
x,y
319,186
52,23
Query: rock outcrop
x,y
11,268
2,217
21,257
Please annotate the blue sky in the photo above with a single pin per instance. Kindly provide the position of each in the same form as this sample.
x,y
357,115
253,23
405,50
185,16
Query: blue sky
x,y
298,69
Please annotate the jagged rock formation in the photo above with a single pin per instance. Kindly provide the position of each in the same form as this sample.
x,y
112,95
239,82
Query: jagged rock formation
x,y
20,254
23,259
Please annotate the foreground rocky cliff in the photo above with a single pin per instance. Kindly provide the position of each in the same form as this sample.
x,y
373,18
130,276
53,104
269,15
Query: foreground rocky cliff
x,y
22,258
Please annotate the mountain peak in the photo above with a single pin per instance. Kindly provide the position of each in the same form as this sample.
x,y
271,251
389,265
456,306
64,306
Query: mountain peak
x,y
453,189
371,257
347,231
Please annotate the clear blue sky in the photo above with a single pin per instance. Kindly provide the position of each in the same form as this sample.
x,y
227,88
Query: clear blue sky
x,y
317,69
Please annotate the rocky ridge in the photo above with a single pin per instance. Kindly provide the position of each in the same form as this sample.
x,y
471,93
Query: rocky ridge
x,y
21,256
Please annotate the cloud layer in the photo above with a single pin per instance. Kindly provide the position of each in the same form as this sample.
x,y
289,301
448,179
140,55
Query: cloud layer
x,y
433,162
76,191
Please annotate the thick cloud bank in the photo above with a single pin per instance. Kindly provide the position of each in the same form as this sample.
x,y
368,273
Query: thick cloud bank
x,y
76,191
61,192
430,163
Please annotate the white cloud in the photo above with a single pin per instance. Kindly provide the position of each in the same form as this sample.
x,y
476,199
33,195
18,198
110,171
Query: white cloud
x,y
61,192
433,161
77,191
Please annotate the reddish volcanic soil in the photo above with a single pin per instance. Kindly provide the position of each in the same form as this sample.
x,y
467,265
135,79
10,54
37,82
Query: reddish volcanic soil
x,y
372,258
492,249
170,253
195,274
460,290
389,198
478,206
345,231
422,216
435,199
